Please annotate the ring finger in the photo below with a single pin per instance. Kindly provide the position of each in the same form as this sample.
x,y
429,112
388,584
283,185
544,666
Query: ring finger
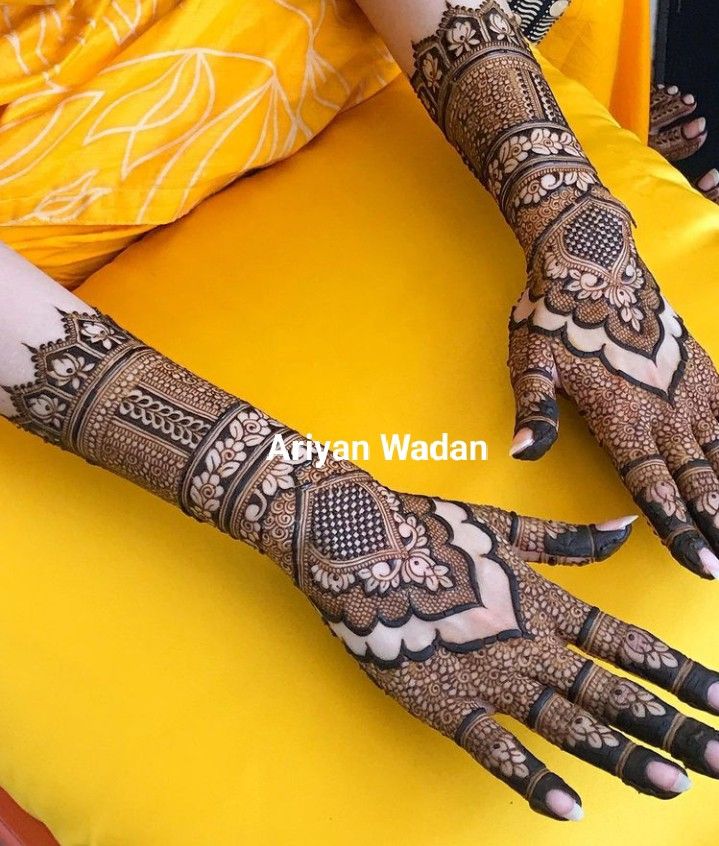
x,y
699,487
578,732
630,707
655,491
636,650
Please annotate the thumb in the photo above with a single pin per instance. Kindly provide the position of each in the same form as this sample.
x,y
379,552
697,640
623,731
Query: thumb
x,y
532,371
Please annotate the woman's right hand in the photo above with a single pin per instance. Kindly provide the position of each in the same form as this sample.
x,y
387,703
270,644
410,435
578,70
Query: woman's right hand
x,y
436,600
594,324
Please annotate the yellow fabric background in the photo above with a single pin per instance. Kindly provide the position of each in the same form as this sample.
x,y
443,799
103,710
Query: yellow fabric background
x,y
161,684
120,115
605,45
127,66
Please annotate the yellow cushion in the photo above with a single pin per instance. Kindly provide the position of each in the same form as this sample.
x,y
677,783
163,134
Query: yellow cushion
x,y
119,116
606,46
161,684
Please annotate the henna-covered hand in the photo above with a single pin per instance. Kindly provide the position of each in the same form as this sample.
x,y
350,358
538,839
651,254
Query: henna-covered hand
x,y
434,598
670,132
592,321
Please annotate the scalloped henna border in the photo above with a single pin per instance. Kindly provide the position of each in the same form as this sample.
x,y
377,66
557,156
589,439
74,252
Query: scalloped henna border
x,y
470,646
599,354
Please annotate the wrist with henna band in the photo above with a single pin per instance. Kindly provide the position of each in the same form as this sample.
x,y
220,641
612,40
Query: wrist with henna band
x,y
433,598
592,321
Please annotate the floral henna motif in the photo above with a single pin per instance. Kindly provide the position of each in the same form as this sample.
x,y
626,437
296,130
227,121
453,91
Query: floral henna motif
x,y
645,655
587,283
627,696
382,567
584,729
393,574
678,503
103,394
627,705
592,321
491,101
589,269
353,538
506,756
431,596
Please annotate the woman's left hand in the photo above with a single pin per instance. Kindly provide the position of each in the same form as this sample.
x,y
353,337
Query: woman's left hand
x,y
593,323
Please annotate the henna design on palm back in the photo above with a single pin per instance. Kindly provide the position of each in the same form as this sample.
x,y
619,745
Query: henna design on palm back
x,y
380,566
587,285
592,321
434,598
397,575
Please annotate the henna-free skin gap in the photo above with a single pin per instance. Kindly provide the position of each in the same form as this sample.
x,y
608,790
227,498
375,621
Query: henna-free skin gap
x,y
434,598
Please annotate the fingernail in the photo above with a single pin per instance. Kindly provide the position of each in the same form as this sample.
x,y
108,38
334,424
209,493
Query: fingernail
x,y
711,755
576,814
523,439
688,99
682,783
672,89
695,128
666,777
616,525
564,805
710,562
709,180
713,696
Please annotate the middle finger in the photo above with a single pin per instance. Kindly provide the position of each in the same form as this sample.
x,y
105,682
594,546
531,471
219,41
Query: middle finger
x,y
632,708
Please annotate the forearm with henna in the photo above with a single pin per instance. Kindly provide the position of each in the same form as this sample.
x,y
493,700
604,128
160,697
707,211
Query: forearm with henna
x,y
592,321
434,598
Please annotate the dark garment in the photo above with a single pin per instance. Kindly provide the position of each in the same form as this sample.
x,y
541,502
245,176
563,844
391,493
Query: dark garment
x,y
687,55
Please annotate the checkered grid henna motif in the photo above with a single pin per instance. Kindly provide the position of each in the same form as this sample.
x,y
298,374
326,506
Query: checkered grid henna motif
x,y
591,321
432,597
480,82
346,523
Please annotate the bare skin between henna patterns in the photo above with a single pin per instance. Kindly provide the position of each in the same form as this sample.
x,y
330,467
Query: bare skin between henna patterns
x,y
424,592
591,321
659,373
587,285
396,575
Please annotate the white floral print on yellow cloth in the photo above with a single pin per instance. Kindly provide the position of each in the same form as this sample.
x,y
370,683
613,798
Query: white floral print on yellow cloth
x,y
132,111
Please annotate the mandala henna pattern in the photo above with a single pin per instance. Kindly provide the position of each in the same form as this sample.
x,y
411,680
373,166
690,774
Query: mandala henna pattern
x,y
432,597
592,321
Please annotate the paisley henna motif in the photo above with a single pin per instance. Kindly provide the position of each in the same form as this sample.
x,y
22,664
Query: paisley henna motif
x,y
592,320
434,598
